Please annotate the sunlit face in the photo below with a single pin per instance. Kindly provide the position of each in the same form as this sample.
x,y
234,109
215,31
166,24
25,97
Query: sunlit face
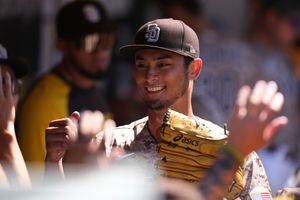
x,y
161,77
286,31
93,64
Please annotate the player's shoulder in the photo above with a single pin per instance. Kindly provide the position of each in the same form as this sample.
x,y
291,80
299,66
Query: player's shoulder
x,y
125,134
48,81
137,124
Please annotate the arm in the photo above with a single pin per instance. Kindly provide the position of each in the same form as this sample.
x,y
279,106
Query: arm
x,y
12,162
60,134
67,145
253,120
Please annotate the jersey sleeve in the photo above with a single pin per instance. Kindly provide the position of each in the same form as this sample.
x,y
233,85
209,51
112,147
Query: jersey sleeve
x,y
255,177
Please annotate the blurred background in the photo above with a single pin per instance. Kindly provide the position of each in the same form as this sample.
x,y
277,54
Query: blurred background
x,y
27,26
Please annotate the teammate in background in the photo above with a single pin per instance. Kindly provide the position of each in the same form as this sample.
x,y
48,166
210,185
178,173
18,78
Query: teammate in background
x,y
166,60
85,38
13,170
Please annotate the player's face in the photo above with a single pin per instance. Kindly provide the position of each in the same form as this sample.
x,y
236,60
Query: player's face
x,y
92,64
161,77
90,56
286,30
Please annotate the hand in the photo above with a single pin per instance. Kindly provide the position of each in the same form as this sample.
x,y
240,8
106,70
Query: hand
x,y
253,123
86,149
7,104
92,123
64,141
60,134
10,153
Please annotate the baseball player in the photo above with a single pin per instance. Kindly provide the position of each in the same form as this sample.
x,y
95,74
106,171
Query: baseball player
x,y
85,38
165,56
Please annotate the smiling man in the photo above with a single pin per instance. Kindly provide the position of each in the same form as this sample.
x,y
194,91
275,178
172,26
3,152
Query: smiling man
x,y
165,56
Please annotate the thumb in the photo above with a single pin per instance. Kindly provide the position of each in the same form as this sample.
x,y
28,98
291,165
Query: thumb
x,y
75,117
273,128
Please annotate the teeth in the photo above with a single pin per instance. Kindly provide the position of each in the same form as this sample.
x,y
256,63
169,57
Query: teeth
x,y
154,89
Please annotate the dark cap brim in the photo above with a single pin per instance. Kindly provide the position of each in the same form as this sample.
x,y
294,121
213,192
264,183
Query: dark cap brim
x,y
128,51
19,66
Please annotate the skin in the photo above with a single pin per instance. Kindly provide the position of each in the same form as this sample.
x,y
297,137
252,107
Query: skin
x,y
12,165
155,73
63,132
254,119
164,81
92,63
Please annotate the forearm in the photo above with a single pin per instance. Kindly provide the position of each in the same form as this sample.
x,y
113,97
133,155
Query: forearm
x,y
3,178
54,170
12,160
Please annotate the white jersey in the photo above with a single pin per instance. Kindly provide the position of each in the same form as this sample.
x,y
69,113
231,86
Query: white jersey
x,y
135,138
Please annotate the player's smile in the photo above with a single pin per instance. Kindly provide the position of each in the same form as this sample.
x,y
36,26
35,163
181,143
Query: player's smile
x,y
154,89
160,76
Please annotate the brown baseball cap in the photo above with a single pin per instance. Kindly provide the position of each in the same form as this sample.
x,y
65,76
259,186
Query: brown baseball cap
x,y
80,18
166,34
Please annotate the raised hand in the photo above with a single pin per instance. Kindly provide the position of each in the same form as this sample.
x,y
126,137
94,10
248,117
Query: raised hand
x,y
254,122
7,103
11,159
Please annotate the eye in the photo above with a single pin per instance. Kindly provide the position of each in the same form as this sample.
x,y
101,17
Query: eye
x,y
164,64
140,66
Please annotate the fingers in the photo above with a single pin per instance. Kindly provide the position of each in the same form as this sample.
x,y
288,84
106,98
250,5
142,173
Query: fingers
x,y
263,102
5,85
271,89
242,99
260,93
254,117
274,126
75,117
60,134
91,123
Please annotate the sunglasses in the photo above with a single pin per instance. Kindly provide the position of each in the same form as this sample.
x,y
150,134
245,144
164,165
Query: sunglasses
x,y
93,42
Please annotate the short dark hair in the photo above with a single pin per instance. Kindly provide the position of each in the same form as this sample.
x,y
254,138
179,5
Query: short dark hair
x,y
187,60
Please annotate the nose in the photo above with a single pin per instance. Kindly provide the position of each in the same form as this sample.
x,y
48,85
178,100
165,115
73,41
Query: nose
x,y
151,75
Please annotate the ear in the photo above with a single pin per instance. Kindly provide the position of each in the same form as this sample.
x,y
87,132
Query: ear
x,y
195,68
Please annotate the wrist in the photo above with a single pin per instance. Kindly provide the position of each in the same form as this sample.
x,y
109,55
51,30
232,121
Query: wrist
x,y
9,129
234,153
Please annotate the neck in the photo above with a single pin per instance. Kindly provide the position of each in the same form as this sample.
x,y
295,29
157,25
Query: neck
x,y
182,105
72,75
